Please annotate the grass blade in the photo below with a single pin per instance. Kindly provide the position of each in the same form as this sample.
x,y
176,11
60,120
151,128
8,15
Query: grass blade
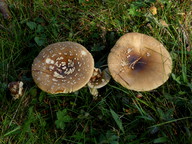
x,y
160,140
117,120
12,131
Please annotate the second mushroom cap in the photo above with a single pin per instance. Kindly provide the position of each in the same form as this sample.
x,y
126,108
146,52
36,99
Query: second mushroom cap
x,y
139,62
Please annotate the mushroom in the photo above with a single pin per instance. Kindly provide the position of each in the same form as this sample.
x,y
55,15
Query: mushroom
x,y
98,80
139,62
16,89
62,67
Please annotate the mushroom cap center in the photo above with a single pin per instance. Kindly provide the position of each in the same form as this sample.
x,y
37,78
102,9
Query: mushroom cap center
x,y
136,62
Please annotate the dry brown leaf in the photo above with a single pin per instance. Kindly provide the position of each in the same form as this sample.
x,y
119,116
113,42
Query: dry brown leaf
x,y
163,23
153,10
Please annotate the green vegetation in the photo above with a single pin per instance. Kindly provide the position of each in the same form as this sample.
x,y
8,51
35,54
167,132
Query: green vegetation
x,y
118,115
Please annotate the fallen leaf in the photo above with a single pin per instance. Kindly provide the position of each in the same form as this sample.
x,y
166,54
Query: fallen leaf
x,y
163,23
153,10
139,95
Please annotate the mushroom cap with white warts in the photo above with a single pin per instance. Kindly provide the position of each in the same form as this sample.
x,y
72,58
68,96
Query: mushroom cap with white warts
x,y
62,67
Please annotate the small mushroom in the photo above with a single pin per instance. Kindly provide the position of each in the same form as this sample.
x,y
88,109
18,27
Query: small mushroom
x,y
62,67
16,89
98,80
139,62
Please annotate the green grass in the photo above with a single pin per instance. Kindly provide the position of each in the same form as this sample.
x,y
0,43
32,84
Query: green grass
x,y
163,115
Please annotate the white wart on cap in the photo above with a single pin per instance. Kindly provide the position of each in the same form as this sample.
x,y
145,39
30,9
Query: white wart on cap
x,y
139,62
62,67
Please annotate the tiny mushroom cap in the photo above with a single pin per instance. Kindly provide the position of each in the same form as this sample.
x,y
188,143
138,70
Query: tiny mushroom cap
x,y
62,67
99,79
139,62
16,89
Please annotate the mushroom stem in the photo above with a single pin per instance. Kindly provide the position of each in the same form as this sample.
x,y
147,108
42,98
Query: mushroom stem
x,y
94,92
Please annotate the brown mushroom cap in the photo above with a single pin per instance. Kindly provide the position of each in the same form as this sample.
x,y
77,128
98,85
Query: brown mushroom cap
x,y
99,78
16,89
62,67
139,62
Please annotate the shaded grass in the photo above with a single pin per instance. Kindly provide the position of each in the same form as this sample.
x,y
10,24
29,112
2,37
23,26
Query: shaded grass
x,y
162,115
